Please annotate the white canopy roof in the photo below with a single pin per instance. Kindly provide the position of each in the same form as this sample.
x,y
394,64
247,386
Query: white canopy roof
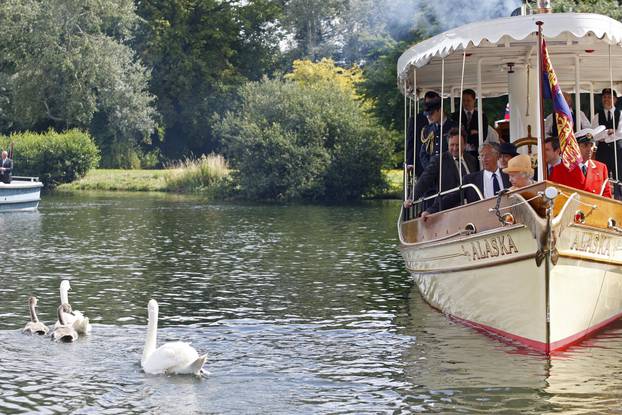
x,y
570,37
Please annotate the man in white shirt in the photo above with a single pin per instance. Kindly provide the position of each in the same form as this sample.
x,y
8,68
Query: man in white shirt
x,y
550,125
609,140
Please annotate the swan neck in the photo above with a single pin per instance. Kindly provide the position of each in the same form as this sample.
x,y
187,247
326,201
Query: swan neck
x,y
152,332
33,313
64,296
60,316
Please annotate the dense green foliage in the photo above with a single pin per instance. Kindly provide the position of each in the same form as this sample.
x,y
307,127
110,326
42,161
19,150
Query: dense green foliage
x,y
67,64
291,140
201,52
53,157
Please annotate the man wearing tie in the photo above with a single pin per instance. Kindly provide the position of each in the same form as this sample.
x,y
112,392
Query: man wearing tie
x,y
490,181
609,138
454,160
5,168
595,172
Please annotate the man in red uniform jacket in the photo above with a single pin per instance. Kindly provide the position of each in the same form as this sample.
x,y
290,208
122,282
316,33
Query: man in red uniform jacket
x,y
595,172
557,171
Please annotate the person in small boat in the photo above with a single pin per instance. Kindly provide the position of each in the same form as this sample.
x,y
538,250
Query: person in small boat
x,y
508,151
557,171
431,133
520,171
422,121
470,121
6,167
595,173
489,181
428,182
550,125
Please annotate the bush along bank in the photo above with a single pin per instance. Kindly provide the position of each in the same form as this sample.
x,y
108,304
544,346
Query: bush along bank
x,y
55,158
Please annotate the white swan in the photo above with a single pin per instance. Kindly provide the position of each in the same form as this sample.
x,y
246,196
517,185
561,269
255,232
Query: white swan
x,y
75,318
64,332
34,326
170,358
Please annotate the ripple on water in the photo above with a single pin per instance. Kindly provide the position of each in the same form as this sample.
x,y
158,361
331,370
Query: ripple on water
x,y
302,309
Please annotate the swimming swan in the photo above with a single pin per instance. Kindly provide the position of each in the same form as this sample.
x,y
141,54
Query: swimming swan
x,y
76,318
170,358
34,326
64,332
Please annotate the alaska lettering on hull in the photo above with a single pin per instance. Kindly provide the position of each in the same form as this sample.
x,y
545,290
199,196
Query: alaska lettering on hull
x,y
490,247
592,244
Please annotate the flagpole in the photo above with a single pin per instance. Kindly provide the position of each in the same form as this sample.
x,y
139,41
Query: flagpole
x,y
542,171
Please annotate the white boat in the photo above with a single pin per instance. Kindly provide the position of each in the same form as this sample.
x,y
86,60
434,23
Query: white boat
x,y
22,194
541,265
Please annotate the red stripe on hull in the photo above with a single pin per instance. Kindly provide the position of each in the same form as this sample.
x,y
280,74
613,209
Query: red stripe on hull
x,y
537,345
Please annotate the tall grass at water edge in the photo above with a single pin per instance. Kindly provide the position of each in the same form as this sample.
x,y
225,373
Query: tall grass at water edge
x,y
207,174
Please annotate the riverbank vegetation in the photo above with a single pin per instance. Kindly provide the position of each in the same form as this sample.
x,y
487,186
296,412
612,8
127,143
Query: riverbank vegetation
x,y
53,157
298,95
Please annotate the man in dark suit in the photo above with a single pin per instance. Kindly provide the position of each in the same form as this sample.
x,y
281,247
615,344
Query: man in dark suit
x,y
612,137
427,184
489,181
470,121
6,167
414,135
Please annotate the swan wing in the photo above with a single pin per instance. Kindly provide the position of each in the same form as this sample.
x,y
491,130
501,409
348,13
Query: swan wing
x,y
173,358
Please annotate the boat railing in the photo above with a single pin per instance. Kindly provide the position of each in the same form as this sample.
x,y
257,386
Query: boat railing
x,y
25,178
415,209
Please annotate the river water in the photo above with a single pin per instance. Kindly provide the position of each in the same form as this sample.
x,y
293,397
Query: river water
x,y
301,309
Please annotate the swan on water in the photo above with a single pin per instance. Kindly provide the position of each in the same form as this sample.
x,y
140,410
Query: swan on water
x,y
34,326
76,318
64,332
170,358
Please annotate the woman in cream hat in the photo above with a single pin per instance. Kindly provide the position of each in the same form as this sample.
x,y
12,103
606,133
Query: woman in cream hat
x,y
520,171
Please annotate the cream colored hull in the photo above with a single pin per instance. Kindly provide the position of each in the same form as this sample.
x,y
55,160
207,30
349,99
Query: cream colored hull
x,y
492,280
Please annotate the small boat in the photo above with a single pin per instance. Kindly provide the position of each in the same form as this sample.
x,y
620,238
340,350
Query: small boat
x,y
22,194
541,265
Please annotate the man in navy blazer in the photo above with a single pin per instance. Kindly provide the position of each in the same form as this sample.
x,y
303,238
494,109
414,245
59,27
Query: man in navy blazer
x,y
490,181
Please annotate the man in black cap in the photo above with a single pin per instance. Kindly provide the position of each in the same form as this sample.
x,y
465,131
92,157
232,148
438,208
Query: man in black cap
x,y
507,151
595,173
431,133
415,135
606,116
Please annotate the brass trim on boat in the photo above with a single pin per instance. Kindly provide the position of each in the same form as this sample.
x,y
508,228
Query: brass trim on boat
x,y
504,261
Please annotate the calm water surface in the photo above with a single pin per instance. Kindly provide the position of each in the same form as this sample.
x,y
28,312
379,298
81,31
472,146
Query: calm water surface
x,y
302,309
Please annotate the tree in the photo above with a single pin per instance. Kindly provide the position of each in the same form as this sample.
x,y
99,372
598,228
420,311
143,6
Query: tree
x,y
297,140
200,52
66,64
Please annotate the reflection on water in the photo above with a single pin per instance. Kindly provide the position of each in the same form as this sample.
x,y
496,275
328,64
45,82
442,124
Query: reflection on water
x,y
302,309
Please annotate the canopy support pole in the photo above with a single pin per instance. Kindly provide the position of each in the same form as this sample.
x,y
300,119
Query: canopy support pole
x,y
405,141
440,138
415,131
480,120
577,94
613,106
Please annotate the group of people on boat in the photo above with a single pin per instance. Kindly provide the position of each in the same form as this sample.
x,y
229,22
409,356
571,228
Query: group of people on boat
x,y
497,165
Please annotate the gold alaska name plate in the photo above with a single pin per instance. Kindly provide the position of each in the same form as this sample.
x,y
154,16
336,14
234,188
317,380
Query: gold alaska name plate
x,y
593,243
490,247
